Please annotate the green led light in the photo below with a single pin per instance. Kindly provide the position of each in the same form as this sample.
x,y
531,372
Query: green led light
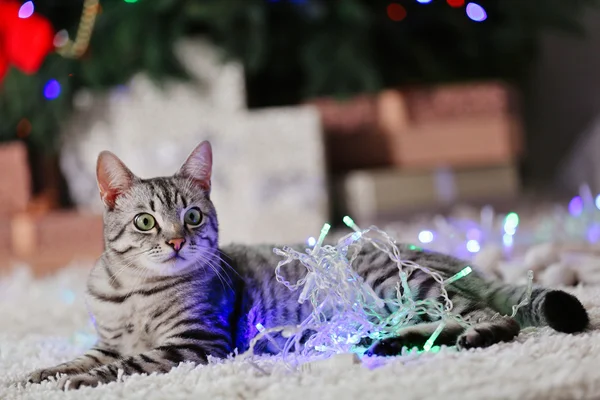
x,y
434,349
461,274
512,220
324,232
131,1
416,248
348,221
429,343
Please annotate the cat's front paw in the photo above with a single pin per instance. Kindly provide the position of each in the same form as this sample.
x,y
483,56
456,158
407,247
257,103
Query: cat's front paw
x,y
41,375
488,333
475,338
75,382
386,347
392,346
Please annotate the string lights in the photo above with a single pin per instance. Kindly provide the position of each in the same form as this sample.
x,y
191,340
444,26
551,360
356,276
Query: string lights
x,y
475,12
396,12
346,310
26,10
52,89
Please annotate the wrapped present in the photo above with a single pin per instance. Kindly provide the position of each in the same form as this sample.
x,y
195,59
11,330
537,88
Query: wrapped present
x,y
346,117
476,141
15,178
372,195
268,164
409,106
5,239
52,240
446,102
457,131
460,142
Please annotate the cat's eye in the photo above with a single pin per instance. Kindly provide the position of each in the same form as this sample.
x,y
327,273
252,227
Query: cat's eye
x,y
144,222
193,217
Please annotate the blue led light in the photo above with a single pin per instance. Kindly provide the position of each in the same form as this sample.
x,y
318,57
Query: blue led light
x,y
52,89
576,206
476,12
26,10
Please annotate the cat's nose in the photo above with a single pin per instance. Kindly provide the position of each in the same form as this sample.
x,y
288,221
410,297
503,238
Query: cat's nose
x,y
176,243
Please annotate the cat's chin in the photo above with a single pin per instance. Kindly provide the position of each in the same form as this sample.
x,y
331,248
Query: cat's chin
x,y
173,266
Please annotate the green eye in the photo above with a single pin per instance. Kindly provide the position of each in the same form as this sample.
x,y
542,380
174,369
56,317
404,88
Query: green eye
x,y
144,222
193,217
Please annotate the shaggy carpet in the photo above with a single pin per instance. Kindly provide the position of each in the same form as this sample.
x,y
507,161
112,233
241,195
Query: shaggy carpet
x,y
44,322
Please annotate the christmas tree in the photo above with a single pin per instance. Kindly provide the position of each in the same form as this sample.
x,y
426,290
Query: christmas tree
x,y
292,50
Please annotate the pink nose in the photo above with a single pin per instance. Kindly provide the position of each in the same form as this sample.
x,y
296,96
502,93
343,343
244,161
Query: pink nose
x,y
176,243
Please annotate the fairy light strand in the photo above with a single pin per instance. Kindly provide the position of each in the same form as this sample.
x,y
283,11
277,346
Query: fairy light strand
x,y
429,343
346,310
527,296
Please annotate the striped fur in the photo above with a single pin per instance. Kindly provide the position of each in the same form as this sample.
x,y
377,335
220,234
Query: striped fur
x,y
156,305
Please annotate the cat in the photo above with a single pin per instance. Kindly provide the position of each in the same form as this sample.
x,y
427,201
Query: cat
x,y
163,292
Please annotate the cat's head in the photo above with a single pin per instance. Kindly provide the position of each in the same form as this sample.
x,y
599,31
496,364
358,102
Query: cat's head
x,y
165,225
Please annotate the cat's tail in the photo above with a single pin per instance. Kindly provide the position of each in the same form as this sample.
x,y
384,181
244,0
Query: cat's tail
x,y
555,308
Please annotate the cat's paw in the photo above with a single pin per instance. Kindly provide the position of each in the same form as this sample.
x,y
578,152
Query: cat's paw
x,y
75,382
488,334
392,346
475,338
41,375
386,347
478,337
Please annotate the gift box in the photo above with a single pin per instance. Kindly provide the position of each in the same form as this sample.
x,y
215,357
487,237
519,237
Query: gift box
x,y
373,195
48,241
5,239
15,178
346,117
460,142
446,102
268,163
454,125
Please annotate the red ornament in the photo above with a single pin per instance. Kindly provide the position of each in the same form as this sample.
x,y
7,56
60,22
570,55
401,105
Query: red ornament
x,y
396,12
455,3
24,42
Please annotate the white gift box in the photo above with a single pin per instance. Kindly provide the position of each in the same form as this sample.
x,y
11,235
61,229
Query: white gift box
x,y
269,181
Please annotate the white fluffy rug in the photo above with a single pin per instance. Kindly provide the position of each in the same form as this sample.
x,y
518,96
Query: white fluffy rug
x,y
41,323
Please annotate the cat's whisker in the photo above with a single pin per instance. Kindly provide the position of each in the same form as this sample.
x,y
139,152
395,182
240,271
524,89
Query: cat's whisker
x,y
219,259
215,268
131,258
222,260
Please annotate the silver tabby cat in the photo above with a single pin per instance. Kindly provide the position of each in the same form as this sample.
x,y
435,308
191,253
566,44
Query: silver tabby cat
x,y
163,292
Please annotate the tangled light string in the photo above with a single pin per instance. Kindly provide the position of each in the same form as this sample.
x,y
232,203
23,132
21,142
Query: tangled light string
x,y
345,309
467,234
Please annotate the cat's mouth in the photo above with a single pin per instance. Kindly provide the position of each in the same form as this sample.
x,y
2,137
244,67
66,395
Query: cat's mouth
x,y
175,257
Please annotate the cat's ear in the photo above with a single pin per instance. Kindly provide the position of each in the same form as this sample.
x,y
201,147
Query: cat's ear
x,y
198,166
114,178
